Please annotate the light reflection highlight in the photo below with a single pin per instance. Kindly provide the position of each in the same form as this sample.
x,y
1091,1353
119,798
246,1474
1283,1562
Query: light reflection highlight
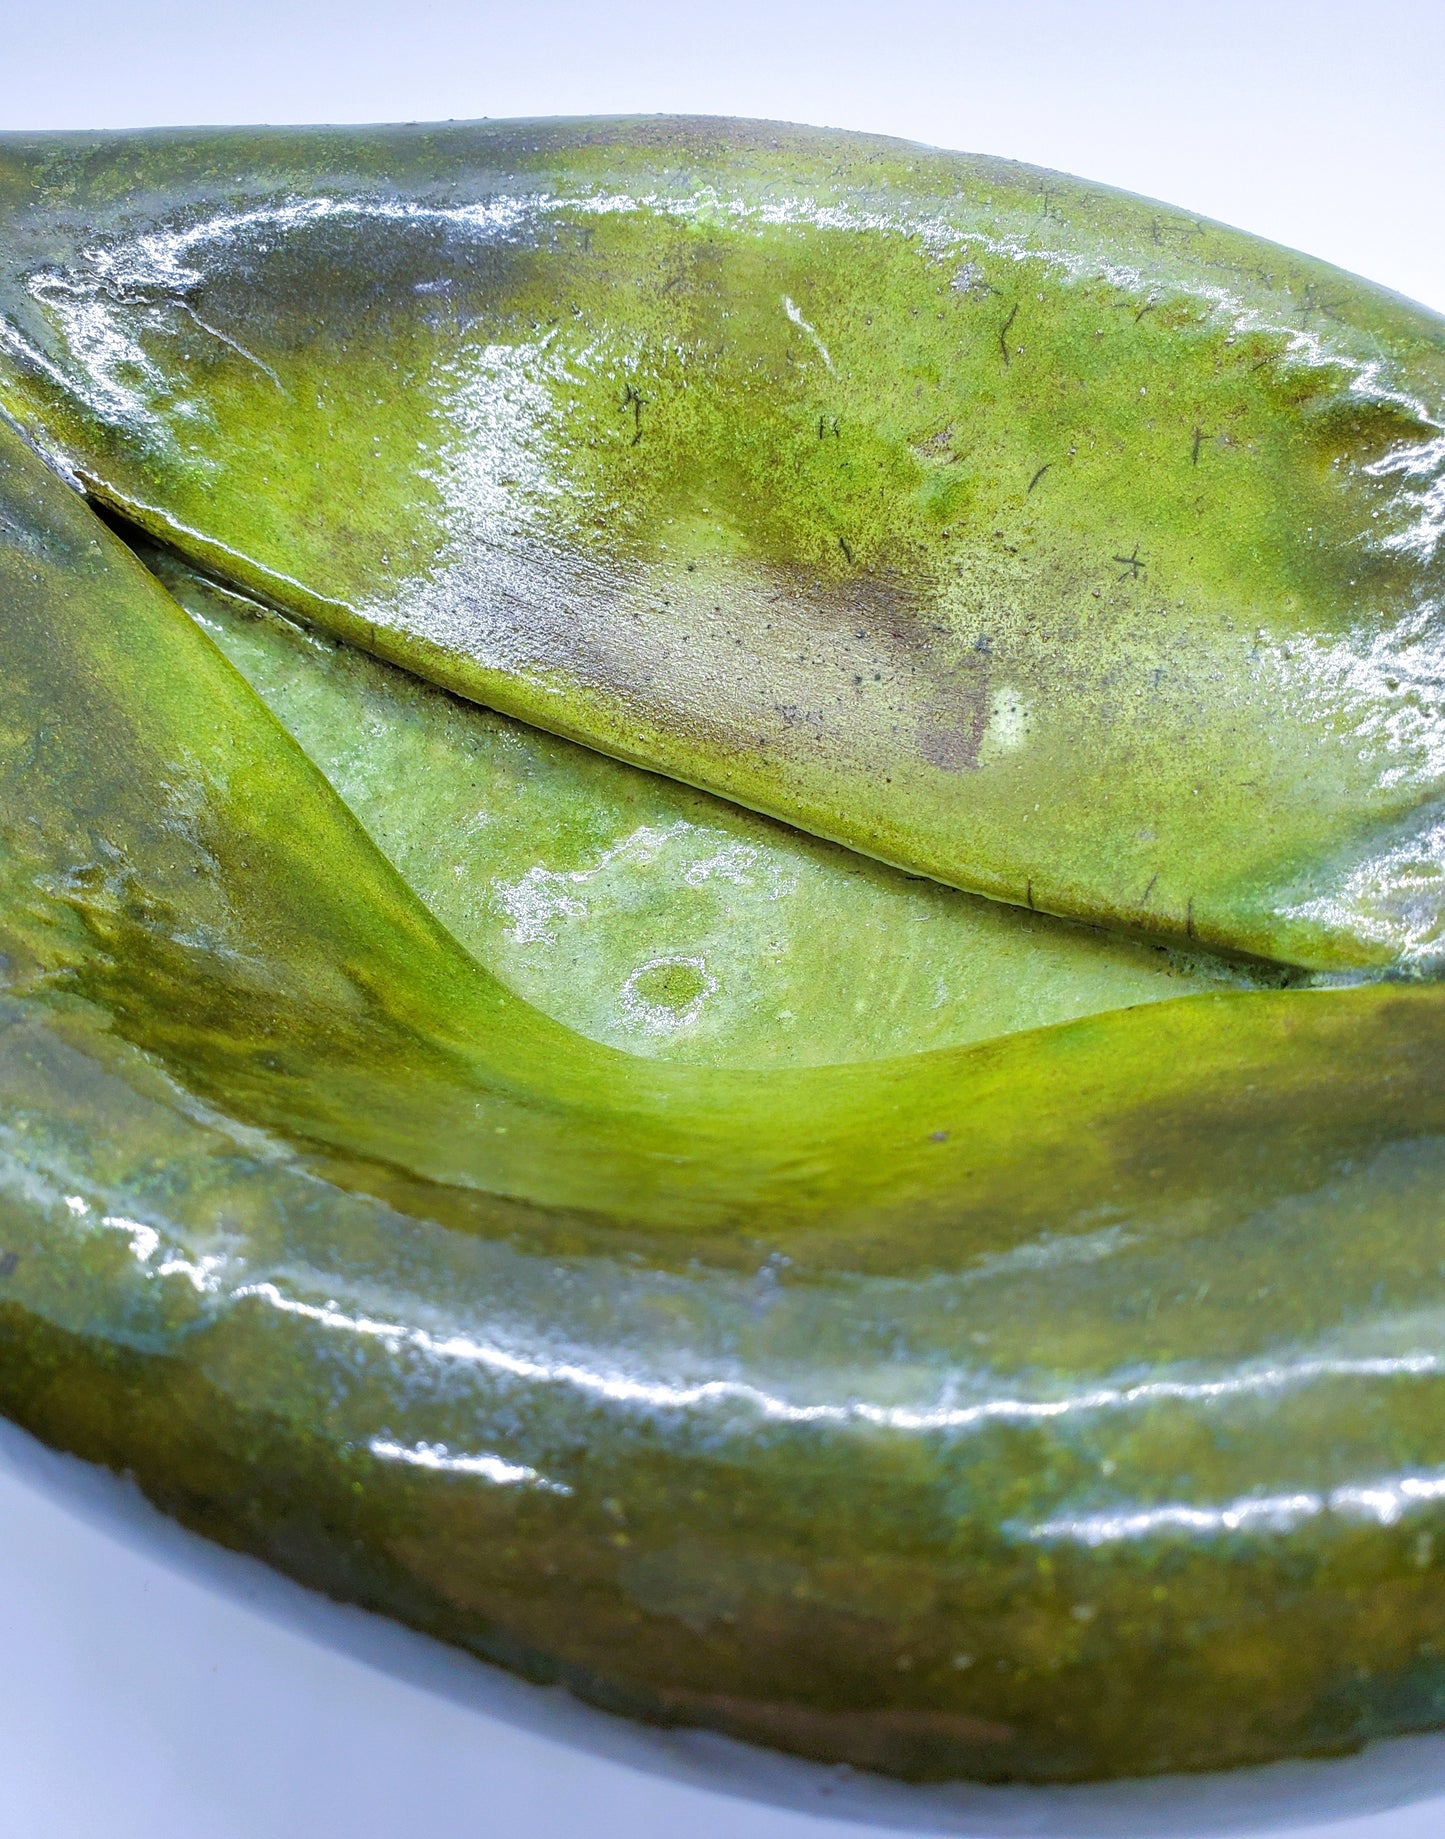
x,y
1385,1502
621,1388
436,1456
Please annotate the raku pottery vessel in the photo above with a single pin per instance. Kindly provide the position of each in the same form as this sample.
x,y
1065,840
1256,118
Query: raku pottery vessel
x,y
723,866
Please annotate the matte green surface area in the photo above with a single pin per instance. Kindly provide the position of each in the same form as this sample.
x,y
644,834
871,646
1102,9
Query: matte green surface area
x,y
1033,537
1061,1404
653,917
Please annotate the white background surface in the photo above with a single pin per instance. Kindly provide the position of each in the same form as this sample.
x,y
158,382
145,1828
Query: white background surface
x,y
150,1691
1320,123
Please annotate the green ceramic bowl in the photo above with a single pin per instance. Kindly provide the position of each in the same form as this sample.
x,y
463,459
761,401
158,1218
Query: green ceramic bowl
x,y
721,869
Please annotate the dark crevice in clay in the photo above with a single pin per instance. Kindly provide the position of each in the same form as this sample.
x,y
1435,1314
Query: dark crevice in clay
x,y
145,546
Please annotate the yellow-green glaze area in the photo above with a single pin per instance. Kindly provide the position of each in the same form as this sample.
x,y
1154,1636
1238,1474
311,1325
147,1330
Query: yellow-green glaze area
x,y
1036,538
1067,1405
653,917
1062,1404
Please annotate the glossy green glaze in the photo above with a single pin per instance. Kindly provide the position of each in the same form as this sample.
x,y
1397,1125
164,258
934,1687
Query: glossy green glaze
x,y
656,918
1034,537
1065,1404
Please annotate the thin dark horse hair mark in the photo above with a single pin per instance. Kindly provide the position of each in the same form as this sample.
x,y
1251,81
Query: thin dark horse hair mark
x,y
1013,314
632,399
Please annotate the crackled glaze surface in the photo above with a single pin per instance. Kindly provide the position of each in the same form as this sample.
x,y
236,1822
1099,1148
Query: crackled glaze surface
x,y
1064,1403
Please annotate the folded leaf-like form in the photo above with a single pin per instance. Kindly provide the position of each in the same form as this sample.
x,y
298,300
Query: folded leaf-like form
x,y
1035,538
1062,1403
977,1412
654,917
